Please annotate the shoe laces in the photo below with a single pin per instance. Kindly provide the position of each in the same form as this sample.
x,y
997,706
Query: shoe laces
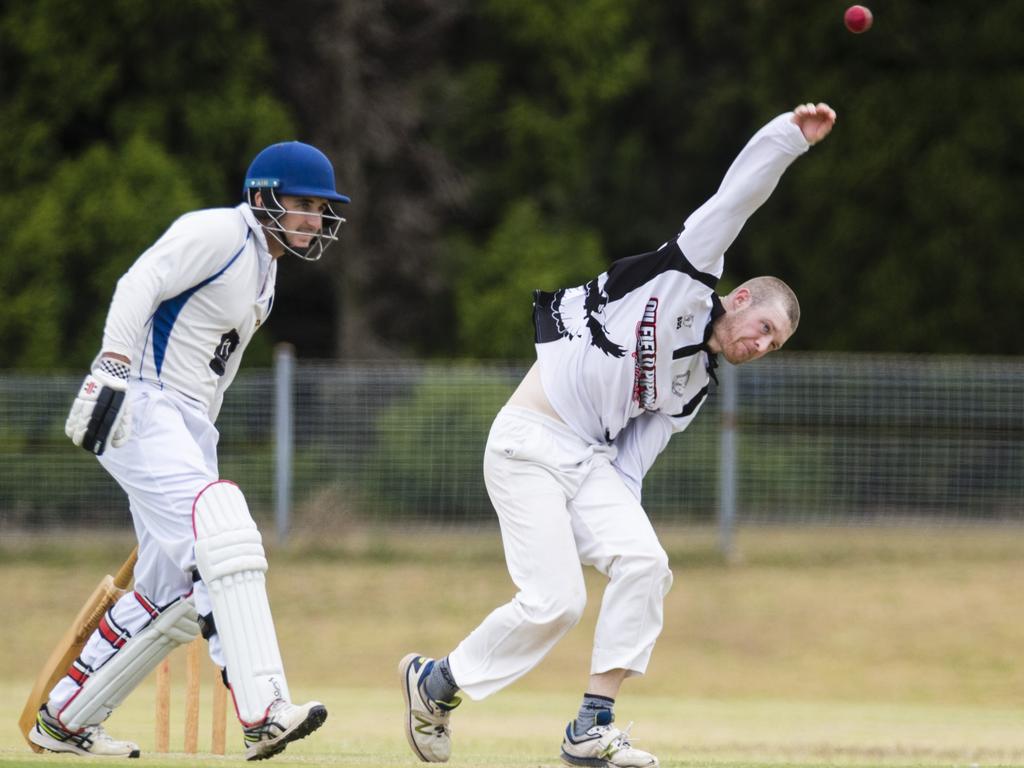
x,y
442,729
268,728
436,721
619,740
625,732
276,707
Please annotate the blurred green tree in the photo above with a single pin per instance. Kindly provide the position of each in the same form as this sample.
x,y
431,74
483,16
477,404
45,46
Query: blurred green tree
x,y
494,284
597,124
503,145
362,79
118,116
899,233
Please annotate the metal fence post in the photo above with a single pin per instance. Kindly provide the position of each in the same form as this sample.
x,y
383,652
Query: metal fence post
x,y
284,419
727,459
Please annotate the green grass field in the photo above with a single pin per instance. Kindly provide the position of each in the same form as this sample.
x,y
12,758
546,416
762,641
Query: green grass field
x,y
865,647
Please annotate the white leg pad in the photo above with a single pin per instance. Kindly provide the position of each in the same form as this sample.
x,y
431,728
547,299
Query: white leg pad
x,y
112,682
229,554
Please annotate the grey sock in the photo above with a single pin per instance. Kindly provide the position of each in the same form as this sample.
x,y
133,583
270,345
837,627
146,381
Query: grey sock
x,y
440,685
595,710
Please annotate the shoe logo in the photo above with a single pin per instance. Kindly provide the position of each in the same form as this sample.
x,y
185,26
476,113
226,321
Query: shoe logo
x,y
428,728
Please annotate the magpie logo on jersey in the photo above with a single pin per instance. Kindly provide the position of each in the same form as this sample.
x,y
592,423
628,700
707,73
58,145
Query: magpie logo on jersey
x,y
572,317
645,384
228,344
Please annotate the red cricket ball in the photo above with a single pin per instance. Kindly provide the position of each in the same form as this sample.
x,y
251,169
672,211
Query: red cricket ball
x,y
858,19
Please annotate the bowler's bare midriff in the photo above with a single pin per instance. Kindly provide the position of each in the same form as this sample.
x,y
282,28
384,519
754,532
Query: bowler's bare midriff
x,y
530,395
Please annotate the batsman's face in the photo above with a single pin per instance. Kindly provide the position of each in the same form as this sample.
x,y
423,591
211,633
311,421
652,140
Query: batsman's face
x,y
303,218
750,331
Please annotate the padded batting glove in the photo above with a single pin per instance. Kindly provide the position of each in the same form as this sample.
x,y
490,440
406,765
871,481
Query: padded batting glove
x,y
98,417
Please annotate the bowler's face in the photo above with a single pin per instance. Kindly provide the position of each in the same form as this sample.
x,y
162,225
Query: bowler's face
x,y
751,332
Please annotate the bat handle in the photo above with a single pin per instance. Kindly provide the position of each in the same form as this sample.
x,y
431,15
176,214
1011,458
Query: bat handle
x,y
124,574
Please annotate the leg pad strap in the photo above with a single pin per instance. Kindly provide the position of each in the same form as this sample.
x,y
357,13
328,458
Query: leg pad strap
x,y
111,683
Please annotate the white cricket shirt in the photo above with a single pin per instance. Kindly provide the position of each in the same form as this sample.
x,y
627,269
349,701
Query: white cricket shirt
x,y
189,305
623,359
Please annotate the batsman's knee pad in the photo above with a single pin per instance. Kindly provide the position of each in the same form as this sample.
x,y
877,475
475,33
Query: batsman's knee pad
x,y
108,686
232,564
227,541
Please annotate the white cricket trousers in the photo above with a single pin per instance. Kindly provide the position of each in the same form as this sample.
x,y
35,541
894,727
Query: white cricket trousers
x,y
169,458
562,505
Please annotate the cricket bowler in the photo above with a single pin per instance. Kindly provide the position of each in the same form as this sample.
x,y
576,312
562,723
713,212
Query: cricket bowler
x,y
623,363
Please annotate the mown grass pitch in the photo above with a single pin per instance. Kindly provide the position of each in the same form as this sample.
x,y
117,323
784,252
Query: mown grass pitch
x,y
863,647
521,730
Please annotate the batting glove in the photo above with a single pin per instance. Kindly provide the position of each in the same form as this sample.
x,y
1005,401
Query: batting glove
x,y
98,417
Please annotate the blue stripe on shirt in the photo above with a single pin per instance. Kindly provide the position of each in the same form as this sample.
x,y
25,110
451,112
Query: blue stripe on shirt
x,y
167,313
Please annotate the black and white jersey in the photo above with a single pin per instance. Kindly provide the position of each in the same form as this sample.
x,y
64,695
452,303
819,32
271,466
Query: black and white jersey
x,y
624,358
189,305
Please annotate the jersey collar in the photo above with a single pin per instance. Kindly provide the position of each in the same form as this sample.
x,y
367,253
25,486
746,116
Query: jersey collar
x,y
256,227
717,310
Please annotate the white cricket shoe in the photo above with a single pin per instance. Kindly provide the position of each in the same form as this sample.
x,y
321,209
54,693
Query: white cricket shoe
x,y
285,723
426,720
604,746
91,741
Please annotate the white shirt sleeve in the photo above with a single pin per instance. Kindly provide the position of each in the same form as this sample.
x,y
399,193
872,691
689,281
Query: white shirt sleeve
x,y
639,444
706,235
711,229
185,255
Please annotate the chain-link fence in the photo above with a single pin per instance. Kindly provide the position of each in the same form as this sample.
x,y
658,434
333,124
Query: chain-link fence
x,y
839,439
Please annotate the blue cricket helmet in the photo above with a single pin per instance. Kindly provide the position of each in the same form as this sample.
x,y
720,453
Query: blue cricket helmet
x,y
293,168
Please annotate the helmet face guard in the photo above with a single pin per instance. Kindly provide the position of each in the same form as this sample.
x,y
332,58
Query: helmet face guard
x,y
292,168
272,211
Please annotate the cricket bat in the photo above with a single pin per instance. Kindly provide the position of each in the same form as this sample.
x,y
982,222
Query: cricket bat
x,y
66,651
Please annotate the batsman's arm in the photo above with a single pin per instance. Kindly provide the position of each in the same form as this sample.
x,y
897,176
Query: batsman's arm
x,y
193,250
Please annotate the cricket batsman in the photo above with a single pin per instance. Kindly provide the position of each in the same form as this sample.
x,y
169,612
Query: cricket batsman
x,y
623,363
177,326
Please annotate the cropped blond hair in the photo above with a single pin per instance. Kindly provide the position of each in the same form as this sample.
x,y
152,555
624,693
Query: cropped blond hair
x,y
772,289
